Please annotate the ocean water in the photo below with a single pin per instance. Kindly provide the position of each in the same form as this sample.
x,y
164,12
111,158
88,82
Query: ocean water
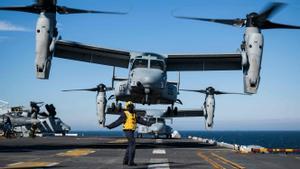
x,y
268,139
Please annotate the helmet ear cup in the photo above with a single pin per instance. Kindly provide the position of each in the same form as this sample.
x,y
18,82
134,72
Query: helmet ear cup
x,y
130,108
128,104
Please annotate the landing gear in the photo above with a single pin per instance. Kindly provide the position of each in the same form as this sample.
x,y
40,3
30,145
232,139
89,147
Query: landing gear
x,y
116,108
172,111
113,107
119,108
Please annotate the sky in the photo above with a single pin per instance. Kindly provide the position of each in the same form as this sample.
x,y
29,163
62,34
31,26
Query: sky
x,y
149,26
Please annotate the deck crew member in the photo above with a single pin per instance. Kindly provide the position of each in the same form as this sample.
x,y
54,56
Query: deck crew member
x,y
129,119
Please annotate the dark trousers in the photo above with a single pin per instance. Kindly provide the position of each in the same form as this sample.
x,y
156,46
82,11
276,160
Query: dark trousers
x,y
130,151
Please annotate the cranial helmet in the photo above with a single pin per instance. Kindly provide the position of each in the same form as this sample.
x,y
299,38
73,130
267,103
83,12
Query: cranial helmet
x,y
128,104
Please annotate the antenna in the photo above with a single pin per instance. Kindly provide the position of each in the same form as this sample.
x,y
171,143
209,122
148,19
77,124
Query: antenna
x,y
113,77
178,83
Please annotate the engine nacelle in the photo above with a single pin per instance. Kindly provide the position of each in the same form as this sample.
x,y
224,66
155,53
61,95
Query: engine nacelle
x,y
251,59
45,41
209,111
101,107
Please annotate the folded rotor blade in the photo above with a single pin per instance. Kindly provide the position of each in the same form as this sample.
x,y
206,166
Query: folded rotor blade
x,y
43,114
66,10
233,22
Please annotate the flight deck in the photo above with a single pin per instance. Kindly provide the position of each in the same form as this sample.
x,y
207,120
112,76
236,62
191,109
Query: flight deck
x,y
107,152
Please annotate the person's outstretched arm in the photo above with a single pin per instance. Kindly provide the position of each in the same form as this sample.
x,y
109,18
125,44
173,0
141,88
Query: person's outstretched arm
x,y
118,122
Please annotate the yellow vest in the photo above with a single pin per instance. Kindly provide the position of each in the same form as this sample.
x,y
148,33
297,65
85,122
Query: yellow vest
x,y
130,123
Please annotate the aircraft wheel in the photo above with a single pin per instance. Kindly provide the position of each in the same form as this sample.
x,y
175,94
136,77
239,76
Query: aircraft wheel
x,y
119,106
175,110
169,110
113,106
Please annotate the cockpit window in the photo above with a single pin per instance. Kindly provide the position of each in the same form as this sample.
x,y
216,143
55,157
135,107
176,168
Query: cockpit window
x,y
160,120
157,120
140,63
157,64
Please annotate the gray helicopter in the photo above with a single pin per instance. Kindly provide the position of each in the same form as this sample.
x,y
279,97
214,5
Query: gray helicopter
x,y
12,118
49,122
147,78
28,122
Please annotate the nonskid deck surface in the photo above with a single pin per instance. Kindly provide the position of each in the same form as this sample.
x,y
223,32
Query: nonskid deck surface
x,y
104,152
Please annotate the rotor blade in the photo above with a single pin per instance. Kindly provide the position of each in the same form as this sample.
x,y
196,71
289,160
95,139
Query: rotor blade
x,y
30,9
66,10
233,22
222,92
90,89
109,88
51,110
37,102
270,10
43,114
192,90
272,25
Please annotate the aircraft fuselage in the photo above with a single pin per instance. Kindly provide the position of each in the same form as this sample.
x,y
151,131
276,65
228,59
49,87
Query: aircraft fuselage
x,y
147,82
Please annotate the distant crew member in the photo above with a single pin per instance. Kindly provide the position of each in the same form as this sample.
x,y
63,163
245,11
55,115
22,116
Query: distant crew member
x,y
7,128
129,120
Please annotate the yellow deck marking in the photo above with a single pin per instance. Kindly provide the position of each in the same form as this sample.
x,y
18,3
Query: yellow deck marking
x,y
76,153
30,165
210,161
119,141
235,165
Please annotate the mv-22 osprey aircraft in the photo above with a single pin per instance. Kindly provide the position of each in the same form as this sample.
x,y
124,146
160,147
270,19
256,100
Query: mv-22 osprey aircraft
x,y
147,79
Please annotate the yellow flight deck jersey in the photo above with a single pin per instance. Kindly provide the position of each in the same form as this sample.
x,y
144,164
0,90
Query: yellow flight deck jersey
x,y
130,123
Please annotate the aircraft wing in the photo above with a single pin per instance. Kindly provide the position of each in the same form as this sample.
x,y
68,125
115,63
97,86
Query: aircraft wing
x,y
86,53
162,113
119,112
204,62
185,113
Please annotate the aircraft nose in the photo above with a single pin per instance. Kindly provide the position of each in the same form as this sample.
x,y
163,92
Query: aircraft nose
x,y
151,79
156,127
